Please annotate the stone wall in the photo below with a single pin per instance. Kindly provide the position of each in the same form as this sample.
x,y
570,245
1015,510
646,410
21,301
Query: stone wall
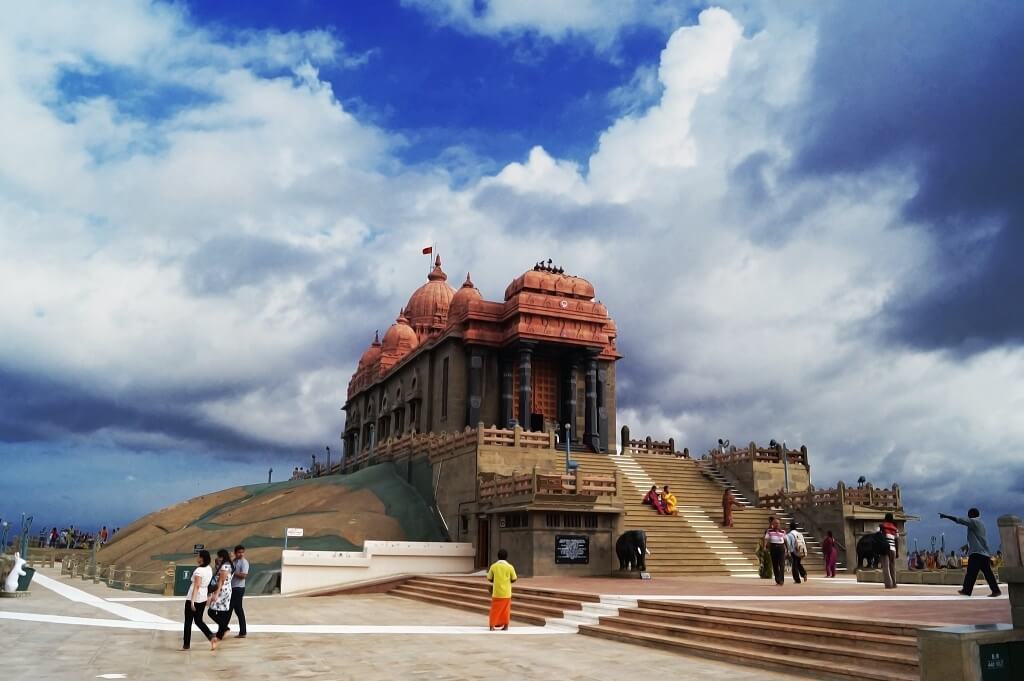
x,y
509,460
532,549
456,488
758,478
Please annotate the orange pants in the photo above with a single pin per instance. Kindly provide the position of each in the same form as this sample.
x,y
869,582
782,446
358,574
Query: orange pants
x,y
501,612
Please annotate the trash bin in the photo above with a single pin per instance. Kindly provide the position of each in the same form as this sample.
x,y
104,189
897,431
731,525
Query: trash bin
x,y
182,578
23,582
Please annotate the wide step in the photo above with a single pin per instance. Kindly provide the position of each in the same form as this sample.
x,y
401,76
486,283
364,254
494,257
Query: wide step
x,y
820,668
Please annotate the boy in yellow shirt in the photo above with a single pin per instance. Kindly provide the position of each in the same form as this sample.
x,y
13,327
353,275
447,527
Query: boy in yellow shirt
x,y
501,575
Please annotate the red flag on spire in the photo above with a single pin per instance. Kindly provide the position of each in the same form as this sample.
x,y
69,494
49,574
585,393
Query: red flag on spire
x,y
428,250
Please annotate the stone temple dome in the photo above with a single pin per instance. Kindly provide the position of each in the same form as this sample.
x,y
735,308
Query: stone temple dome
x,y
372,353
400,339
428,307
460,303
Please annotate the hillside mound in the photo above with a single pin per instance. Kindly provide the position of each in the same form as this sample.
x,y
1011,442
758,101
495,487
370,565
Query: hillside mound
x,y
336,513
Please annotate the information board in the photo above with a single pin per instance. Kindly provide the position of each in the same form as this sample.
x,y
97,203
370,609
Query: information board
x,y
572,549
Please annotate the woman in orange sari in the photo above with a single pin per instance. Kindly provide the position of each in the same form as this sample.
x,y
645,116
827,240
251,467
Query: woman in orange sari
x,y
728,502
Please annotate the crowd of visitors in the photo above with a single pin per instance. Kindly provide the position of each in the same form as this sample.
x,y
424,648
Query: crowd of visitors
x,y
72,537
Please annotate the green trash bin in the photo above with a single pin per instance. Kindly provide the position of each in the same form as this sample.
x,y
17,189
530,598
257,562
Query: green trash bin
x,y
23,582
182,578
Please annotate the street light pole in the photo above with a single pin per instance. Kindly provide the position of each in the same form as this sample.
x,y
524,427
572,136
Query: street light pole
x,y
568,440
785,465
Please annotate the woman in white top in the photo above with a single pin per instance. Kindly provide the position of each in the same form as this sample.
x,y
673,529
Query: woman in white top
x,y
220,597
195,601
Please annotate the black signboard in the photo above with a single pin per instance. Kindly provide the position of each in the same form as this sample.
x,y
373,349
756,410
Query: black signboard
x,y
572,549
1001,661
196,548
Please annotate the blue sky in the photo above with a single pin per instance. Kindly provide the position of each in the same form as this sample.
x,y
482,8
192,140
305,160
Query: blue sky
x,y
804,218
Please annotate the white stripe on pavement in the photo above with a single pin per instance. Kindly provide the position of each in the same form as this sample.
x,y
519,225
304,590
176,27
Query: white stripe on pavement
x,y
79,596
382,629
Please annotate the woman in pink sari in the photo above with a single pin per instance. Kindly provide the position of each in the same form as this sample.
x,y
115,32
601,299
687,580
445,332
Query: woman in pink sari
x,y
654,499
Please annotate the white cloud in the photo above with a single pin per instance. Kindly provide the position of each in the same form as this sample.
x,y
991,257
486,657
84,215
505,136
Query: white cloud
x,y
745,298
597,20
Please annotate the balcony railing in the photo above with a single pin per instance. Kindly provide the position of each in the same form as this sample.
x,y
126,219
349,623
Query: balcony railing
x,y
869,495
533,484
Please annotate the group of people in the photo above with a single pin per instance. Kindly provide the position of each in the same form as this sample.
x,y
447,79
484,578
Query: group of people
x,y
938,560
74,538
221,588
776,546
664,502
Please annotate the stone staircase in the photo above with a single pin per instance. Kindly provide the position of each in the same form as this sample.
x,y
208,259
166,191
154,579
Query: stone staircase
x,y
815,556
678,545
821,647
693,488
541,607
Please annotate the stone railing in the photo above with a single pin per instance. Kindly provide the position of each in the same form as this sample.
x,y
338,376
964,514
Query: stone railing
x,y
761,454
870,496
532,484
442,445
649,445
121,576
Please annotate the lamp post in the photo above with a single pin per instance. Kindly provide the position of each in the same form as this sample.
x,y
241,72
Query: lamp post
x,y
328,461
785,466
568,440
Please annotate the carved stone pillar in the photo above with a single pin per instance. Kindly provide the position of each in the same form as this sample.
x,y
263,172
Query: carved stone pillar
x,y
506,391
590,433
525,382
602,411
474,373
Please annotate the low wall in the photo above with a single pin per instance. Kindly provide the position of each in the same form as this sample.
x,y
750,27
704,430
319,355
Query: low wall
x,y
309,570
949,577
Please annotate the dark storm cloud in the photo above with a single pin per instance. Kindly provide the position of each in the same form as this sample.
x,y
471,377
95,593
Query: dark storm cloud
x,y
226,263
38,409
938,86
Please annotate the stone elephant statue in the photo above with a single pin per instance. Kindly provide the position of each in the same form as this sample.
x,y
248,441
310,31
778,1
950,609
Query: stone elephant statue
x,y
870,549
631,548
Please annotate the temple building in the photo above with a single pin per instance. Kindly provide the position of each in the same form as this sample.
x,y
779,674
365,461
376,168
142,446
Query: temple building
x,y
541,358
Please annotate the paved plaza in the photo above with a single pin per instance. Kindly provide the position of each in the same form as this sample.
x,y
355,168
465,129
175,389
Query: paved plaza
x,y
74,629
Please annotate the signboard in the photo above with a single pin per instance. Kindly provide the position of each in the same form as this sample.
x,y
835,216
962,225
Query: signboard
x,y
572,549
294,531
1001,661
196,548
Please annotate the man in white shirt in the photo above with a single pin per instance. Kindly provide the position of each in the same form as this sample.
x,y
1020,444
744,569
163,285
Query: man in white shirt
x,y
797,552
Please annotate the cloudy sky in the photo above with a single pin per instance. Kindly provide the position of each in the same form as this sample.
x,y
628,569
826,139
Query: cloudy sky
x,y
806,219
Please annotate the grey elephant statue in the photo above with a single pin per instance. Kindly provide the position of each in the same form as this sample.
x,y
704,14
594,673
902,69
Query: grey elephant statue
x,y
870,549
631,548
